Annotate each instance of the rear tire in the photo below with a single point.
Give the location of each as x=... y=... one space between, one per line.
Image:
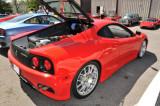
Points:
x=142 y=49
x=86 y=80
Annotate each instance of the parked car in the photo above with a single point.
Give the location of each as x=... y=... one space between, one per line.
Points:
x=8 y=17
x=150 y=23
x=113 y=17
x=3 y=15
x=96 y=15
x=61 y=59
x=130 y=19
x=24 y=23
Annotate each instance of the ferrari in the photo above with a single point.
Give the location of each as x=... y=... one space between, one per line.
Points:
x=24 y=23
x=150 y=23
x=113 y=17
x=74 y=55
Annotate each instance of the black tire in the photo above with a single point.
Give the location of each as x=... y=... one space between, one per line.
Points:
x=73 y=86
x=139 y=53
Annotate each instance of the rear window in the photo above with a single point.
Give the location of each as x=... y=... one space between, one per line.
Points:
x=20 y=18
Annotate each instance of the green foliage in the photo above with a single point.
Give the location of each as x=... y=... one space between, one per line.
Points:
x=5 y=7
x=33 y=4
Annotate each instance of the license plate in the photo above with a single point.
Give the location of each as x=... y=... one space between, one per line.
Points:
x=16 y=69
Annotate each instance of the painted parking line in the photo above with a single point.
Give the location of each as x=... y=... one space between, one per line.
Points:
x=150 y=96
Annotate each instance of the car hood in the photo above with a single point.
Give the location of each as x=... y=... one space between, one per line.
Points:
x=65 y=9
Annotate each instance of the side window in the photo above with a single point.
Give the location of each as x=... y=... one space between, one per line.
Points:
x=119 y=32
x=105 y=32
x=54 y=20
x=32 y=21
x=48 y=20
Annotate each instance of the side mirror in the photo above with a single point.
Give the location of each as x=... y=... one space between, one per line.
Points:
x=138 y=32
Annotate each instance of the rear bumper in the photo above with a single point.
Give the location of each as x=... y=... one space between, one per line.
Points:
x=60 y=86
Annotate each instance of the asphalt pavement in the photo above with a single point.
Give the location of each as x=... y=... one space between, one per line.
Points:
x=125 y=87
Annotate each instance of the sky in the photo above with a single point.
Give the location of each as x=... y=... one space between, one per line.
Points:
x=8 y=0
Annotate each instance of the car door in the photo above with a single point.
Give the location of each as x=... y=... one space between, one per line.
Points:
x=109 y=46
x=127 y=41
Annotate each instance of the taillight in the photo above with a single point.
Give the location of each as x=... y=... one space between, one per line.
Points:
x=42 y=64
x=35 y=61
x=2 y=32
x=47 y=65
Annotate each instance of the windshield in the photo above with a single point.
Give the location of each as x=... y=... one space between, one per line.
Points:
x=20 y=18
x=65 y=8
x=150 y=20
x=128 y=16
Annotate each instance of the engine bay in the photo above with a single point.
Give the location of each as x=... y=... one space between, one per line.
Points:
x=51 y=34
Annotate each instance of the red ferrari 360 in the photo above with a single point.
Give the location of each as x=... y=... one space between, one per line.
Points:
x=150 y=23
x=113 y=17
x=74 y=55
x=7 y=18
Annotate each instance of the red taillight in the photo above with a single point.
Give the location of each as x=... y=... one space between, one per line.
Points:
x=47 y=65
x=3 y=32
x=35 y=61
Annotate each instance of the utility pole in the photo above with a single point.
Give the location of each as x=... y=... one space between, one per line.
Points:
x=117 y=6
x=150 y=9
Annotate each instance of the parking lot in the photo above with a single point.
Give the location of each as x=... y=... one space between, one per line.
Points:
x=125 y=87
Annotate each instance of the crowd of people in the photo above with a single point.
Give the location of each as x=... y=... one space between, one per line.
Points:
x=39 y=11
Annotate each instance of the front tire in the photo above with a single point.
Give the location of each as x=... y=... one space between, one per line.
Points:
x=142 y=49
x=86 y=80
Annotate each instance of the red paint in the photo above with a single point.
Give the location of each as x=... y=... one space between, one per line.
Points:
x=7 y=18
x=70 y=54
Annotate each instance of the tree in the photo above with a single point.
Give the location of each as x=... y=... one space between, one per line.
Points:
x=18 y=4
x=5 y=7
x=33 y=4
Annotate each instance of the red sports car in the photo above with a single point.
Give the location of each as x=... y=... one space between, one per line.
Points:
x=74 y=55
x=7 y=18
x=113 y=17
x=150 y=23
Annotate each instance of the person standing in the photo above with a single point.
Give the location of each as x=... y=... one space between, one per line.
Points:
x=32 y=12
x=40 y=10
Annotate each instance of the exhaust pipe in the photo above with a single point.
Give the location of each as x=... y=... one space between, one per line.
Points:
x=45 y=88
x=40 y=86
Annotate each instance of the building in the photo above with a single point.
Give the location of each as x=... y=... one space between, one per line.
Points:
x=145 y=8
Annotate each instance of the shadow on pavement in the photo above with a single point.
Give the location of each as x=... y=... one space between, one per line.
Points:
x=4 y=52
x=109 y=93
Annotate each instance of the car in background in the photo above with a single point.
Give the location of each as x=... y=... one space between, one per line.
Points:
x=3 y=15
x=113 y=17
x=129 y=19
x=8 y=17
x=24 y=23
x=150 y=23
x=95 y=15
x=59 y=59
